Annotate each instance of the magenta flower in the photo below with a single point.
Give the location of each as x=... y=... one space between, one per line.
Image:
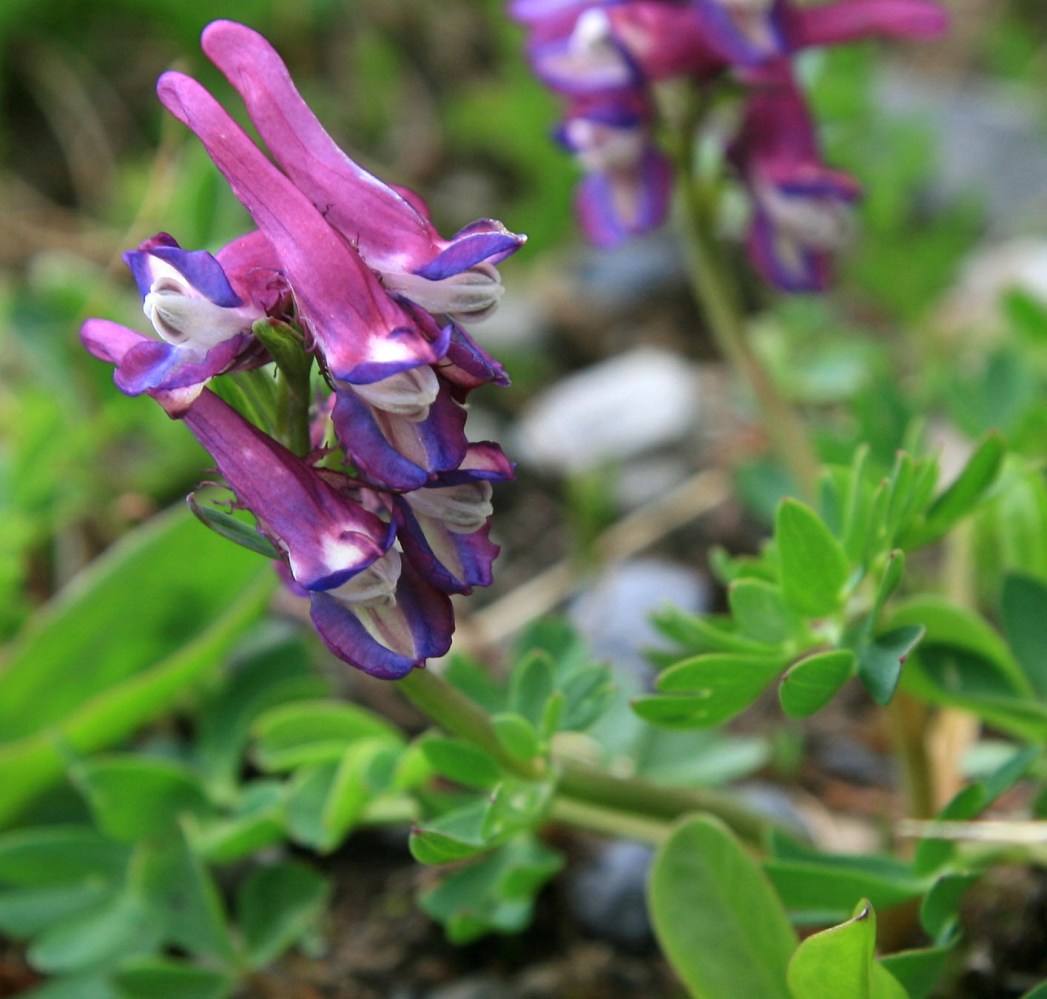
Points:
x=802 y=209
x=628 y=181
x=363 y=334
x=747 y=33
x=351 y=270
x=370 y=607
x=389 y=227
x=202 y=311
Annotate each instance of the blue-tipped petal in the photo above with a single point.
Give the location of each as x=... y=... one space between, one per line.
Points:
x=393 y=452
x=453 y=561
x=200 y=270
x=467 y=365
x=387 y=642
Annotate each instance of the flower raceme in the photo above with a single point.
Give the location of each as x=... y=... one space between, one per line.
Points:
x=356 y=271
x=606 y=57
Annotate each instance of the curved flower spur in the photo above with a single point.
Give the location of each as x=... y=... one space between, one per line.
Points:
x=376 y=295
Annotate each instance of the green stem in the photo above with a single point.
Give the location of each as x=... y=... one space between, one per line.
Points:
x=582 y=790
x=658 y=802
x=609 y=822
x=293 y=408
x=718 y=297
x=459 y=715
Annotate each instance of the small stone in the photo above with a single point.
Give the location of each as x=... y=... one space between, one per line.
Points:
x=607 y=893
x=612 y=411
x=614 y=614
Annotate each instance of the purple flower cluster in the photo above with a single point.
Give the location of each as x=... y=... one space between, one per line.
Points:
x=605 y=56
x=379 y=542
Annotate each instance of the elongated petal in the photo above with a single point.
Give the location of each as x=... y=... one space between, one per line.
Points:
x=393 y=452
x=482 y=241
x=466 y=365
x=173 y=375
x=392 y=235
x=387 y=642
x=363 y=334
x=847 y=20
x=328 y=537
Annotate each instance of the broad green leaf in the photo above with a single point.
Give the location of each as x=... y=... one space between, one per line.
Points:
x=851 y=523
x=935 y=854
x=364 y=772
x=557 y=639
x=588 y=693
x=60 y=855
x=273 y=669
x=702 y=757
x=951 y=626
x=165 y=978
x=1023 y=607
x=716 y=917
x=818 y=887
x=142 y=601
x=178 y=891
x=880 y=660
x=230 y=839
x=89 y=985
x=30 y=764
x=516 y=805
x=808 y=685
x=760 y=611
x=812 y=564
x=495 y=893
x=917 y=971
x=462 y=762
x=698 y=633
x=136 y=796
x=309 y=732
x=121 y=926
x=963 y=494
x=840 y=962
x=276 y=906
x=517 y=735
x=476 y=682
x=940 y=909
x=307 y=799
x=454 y=836
x=814 y=892
x=947 y=682
x=711 y=688
x=530 y=686
x=25 y=912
